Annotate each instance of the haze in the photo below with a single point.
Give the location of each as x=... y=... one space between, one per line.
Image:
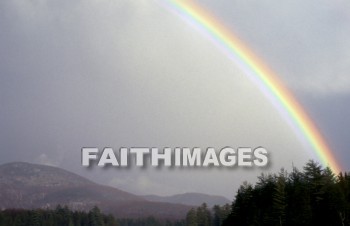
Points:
x=132 y=74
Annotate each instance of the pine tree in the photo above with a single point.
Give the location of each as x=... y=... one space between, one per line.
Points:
x=191 y=218
x=95 y=217
x=217 y=218
x=279 y=199
x=241 y=208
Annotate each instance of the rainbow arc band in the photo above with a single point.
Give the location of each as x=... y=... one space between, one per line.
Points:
x=259 y=72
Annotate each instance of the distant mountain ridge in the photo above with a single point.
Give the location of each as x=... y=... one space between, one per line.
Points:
x=192 y=199
x=25 y=185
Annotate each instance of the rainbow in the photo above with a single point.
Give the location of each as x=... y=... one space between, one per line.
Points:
x=267 y=81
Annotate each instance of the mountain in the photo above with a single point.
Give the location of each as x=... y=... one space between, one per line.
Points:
x=193 y=199
x=25 y=185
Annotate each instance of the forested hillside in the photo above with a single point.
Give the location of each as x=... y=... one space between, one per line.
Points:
x=32 y=186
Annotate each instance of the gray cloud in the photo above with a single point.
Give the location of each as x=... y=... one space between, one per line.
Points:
x=306 y=42
x=117 y=73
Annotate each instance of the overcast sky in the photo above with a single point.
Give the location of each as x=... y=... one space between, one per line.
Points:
x=131 y=73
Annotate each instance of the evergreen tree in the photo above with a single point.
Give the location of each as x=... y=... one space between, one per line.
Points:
x=279 y=199
x=191 y=218
x=314 y=196
x=217 y=218
x=35 y=218
x=203 y=215
x=95 y=217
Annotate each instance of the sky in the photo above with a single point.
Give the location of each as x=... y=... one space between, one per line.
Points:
x=115 y=73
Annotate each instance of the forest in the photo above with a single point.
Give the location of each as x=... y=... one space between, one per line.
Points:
x=311 y=196
x=61 y=216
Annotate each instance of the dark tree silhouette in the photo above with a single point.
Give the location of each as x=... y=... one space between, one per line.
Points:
x=314 y=196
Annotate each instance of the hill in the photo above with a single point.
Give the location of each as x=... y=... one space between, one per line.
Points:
x=28 y=186
x=192 y=199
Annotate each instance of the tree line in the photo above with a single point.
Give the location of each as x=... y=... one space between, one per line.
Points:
x=61 y=216
x=203 y=216
x=313 y=196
